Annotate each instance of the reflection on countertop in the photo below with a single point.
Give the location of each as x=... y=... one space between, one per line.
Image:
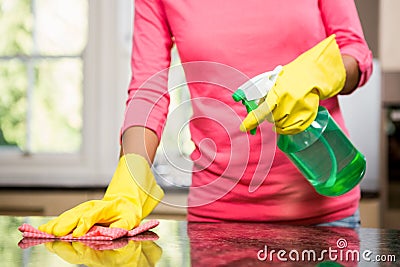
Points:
x=179 y=243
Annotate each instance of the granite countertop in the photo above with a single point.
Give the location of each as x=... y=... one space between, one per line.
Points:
x=178 y=243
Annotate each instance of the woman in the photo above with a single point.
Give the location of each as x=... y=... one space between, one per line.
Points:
x=236 y=177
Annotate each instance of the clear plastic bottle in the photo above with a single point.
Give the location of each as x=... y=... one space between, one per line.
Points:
x=322 y=152
x=325 y=156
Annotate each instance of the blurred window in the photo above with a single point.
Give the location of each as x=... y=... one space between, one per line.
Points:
x=64 y=74
x=41 y=74
x=64 y=68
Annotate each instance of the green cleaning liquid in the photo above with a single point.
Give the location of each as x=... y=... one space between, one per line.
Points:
x=325 y=156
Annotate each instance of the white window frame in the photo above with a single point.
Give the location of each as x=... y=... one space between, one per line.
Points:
x=106 y=77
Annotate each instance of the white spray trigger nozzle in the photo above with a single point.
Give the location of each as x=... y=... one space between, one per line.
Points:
x=258 y=86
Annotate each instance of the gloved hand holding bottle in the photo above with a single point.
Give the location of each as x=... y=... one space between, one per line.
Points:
x=131 y=195
x=292 y=103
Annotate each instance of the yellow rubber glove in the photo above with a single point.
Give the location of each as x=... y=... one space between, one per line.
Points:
x=131 y=195
x=135 y=253
x=292 y=103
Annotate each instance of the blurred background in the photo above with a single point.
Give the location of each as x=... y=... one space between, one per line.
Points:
x=64 y=72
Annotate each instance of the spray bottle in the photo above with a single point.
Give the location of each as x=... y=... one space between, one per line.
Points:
x=322 y=152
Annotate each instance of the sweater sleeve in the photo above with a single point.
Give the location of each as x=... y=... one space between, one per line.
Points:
x=148 y=98
x=341 y=18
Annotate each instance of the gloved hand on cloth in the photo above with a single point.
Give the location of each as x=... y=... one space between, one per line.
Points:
x=292 y=103
x=135 y=253
x=131 y=195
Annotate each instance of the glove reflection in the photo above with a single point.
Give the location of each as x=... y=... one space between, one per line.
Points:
x=123 y=252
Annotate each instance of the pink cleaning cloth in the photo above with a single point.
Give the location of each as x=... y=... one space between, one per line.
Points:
x=28 y=242
x=95 y=233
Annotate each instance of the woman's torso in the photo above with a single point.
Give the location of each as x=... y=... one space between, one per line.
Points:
x=238 y=176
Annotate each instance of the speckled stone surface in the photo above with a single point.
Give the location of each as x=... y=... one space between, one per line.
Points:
x=179 y=243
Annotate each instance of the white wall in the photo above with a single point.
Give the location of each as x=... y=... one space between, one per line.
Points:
x=361 y=112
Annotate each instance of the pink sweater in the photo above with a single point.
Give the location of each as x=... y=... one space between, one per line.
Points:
x=237 y=176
